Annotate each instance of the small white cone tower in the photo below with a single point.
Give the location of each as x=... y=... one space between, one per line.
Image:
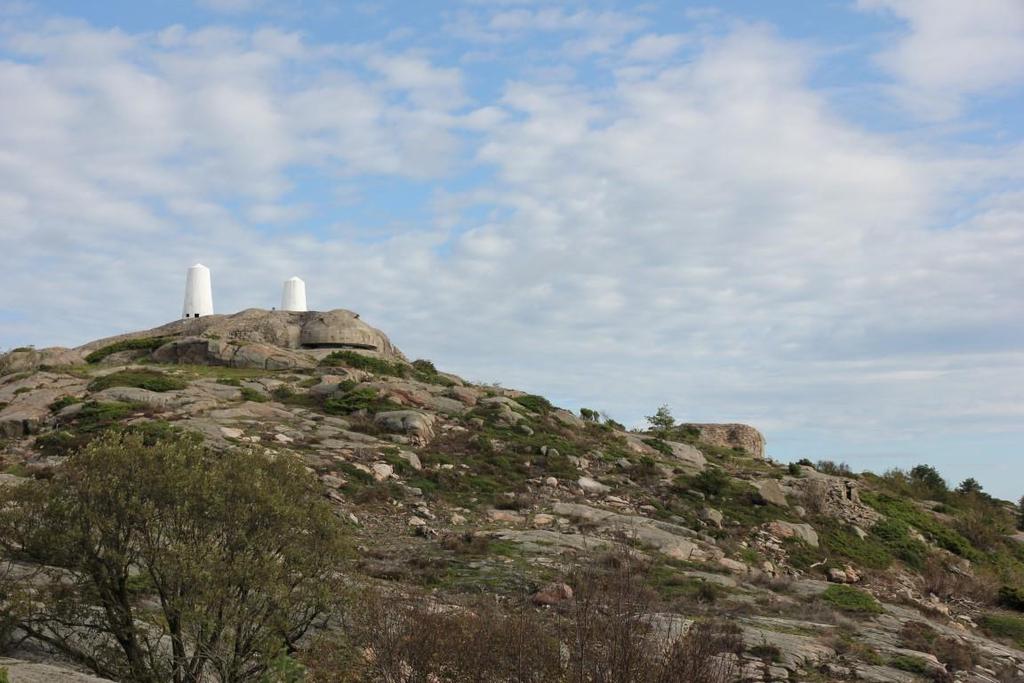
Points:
x=293 y=297
x=198 y=292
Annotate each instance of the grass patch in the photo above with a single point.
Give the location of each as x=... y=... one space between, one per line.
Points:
x=371 y=364
x=254 y=395
x=850 y=599
x=905 y=512
x=152 y=380
x=143 y=344
x=63 y=402
x=909 y=663
x=1005 y=626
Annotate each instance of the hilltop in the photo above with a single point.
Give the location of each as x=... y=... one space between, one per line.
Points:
x=453 y=489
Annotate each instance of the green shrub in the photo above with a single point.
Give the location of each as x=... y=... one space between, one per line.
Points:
x=659 y=445
x=371 y=364
x=1011 y=598
x=907 y=512
x=153 y=380
x=254 y=395
x=143 y=344
x=534 y=403
x=909 y=663
x=1008 y=626
x=840 y=469
x=63 y=402
x=794 y=469
x=895 y=535
x=850 y=599
x=359 y=398
x=712 y=481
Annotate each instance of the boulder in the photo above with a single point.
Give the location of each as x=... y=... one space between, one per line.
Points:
x=671 y=540
x=592 y=486
x=418 y=425
x=552 y=594
x=689 y=457
x=712 y=517
x=21 y=671
x=258 y=355
x=321 y=332
x=382 y=471
x=804 y=532
x=771 y=492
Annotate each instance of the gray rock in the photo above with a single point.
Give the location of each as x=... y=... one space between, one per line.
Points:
x=771 y=492
x=21 y=671
x=712 y=516
x=805 y=532
x=669 y=539
x=412 y=422
x=592 y=485
x=689 y=458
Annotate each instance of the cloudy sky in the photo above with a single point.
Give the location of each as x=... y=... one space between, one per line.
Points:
x=804 y=216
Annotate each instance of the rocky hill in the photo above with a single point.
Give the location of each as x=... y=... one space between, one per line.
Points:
x=454 y=489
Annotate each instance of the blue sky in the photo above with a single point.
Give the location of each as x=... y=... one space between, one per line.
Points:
x=804 y=216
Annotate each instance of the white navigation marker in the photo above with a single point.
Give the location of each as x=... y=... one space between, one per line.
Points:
x=198 y=292
x=293 y=298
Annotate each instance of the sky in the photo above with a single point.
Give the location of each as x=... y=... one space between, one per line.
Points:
x=807 y=217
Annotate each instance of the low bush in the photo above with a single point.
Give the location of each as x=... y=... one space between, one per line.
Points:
x=254 y=395
x=143 y=344
x=1011 y=598
x=534 y=403
x=850 y=599
x=909 y=663
x=63 y=402
x=371 y=364
x=604 y=632
x=840 y=469
x=1007 y=626
x=152 y=380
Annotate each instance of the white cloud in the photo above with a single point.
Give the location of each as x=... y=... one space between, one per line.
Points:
x=952 y=50
x=707 y=233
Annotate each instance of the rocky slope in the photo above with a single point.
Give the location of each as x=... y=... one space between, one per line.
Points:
x=455 y=488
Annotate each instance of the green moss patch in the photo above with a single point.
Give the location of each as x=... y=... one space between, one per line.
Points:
x=850 y=599
x=152 y=380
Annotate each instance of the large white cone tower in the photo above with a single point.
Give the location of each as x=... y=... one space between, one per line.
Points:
x=293 y=297
x=198 y=292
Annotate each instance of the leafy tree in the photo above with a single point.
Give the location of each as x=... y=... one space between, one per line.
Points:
x=170 y=563
x=927 y=479
x=968 y=486
x=1020 y=514
x=662 y=421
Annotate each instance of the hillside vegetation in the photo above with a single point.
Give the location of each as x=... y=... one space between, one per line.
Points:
x=371 y=519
